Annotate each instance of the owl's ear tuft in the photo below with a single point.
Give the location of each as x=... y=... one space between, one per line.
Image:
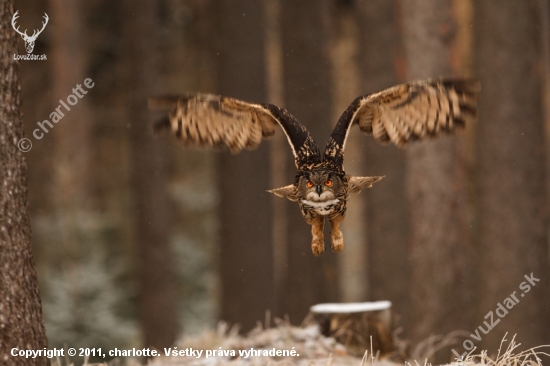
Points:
x=356 y=184
x=286 y=191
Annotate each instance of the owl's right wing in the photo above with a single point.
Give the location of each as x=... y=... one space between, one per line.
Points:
x=211 y=120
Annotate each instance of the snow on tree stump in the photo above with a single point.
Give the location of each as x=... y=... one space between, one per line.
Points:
x=353 y=325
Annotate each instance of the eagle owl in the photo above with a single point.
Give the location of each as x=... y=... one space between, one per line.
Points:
x=321 y=187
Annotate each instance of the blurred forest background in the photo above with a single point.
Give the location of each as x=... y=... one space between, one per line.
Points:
x=138 y=242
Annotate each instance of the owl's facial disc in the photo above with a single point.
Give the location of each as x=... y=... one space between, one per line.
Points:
x=318 y=186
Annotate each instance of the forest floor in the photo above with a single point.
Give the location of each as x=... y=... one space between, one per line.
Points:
x=309 y=348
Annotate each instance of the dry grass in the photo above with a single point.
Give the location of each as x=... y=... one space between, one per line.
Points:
x=313 y=350
x=530 y=357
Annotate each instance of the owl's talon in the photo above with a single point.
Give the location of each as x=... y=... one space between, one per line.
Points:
x=337 y=241
x=318 y=246
x=318 y=238
x=336 y=236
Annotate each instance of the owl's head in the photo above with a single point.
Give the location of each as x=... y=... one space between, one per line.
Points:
x=320 y=185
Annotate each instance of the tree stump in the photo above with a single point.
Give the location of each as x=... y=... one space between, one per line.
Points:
x=353 y=325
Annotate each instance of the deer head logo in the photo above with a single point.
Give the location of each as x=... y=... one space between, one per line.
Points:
x=29 y=41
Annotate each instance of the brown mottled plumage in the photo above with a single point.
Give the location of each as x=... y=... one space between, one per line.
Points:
x=399 y=115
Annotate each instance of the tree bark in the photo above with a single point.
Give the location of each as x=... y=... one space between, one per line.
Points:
x=21 y=324
x=75 y=132
x=154 y=266
x=307 y=95
x=438 y=247
x=246 y=252
x=346 y=80
x=512 y=200
x=73 y=136
x=387 y=211
x=278 y=146
x=73 y=141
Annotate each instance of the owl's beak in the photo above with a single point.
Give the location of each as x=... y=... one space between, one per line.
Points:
x=319 y=189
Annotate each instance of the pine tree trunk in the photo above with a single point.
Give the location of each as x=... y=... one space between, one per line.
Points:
x=21 y=324
x=246 y=251
x=155 y=266
x=512 y=200
x=346 y=81
x=438 y=246
x=74 y=133
x=387 y=214
x=279 y=150
x=307 y=95
x=73 y=141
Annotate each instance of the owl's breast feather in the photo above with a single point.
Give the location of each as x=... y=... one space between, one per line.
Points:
x=321 y=208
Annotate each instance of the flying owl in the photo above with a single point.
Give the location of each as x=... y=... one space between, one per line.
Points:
x=321 y=187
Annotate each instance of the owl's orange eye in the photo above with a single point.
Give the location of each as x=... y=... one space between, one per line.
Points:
x=328 y=183
x=309 y=184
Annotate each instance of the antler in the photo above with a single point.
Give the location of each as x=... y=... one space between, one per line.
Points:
x=15 y=16
x=35 y=35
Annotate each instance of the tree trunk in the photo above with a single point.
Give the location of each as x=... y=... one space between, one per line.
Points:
x=307 y=95
x=279 y=150
x=346 y=81
x=512 y=203
x=73 y=135
x=154 y=267
x=387 y=212
x=73 y=148
x=20 y=307
x=438 y=247
x=246 y=252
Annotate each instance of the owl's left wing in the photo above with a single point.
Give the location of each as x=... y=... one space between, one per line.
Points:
x=407 y=112
x=212 y=120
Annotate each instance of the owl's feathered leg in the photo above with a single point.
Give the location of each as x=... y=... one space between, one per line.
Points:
x=336 y=236
x=318 y=241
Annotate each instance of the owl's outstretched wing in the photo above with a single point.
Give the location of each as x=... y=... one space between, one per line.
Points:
x=407 y=112
x=357 y=184
x=211 y=120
